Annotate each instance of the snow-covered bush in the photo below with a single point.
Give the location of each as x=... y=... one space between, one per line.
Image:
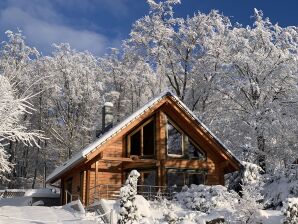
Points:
x=172 y=218
x=251 y=174
x=205 y=198
x=128 y=208
x=280 y=186
x=247 y=207
x=290 y=211
x=249 y=183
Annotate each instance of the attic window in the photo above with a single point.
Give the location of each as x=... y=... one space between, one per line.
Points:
x=141 y=142
x=194 y=151
x=180 y=145
x=175 y=140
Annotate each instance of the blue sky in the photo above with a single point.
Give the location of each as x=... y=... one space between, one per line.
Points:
x=96 y=25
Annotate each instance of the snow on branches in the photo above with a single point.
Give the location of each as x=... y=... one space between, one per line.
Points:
x=128 y=209
x=290 y=211
x=11 y=127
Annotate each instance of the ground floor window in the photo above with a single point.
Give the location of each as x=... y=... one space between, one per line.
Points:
x=180 y=177
x=147 y=183
x=147 y=177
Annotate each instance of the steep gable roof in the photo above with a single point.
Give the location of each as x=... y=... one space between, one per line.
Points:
x=80 y=156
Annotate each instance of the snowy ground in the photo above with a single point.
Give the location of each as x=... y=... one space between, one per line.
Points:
x=18 y=210
x=40 y=214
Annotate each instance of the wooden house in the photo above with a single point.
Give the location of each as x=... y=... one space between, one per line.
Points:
x=163 y=140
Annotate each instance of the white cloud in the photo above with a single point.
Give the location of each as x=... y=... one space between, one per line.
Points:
x=42 y=27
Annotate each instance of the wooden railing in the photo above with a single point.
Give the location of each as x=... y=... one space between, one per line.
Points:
x=112 y=192
x=69 y=197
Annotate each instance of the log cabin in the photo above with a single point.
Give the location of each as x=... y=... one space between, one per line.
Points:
x=163 y=140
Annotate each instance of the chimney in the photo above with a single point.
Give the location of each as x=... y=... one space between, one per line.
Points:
x=107 y=117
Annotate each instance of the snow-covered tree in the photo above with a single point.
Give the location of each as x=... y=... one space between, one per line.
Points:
x=239 y=80
x=12 y=127
x=129 y=81
x=128 y=209
x=74 y=100
x=258 y=83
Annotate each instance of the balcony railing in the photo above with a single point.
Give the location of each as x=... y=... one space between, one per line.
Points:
x=112 y=192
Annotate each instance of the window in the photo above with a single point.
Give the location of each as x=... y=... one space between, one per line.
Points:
x=136 y=144
x=175 y=140
x=180 y=145
x=185 y=177
x=196 y=178
x=193 y=151
x=175 y=178
x=141 y=142
x=148 y=177
x=148 y=139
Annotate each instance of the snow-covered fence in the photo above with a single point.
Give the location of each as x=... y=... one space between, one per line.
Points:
x=12 y=193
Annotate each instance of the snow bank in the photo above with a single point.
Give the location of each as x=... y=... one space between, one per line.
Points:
x=40 y=214
x=143 y=206
x=20 y=201
x=270 y=216
x=74 y=206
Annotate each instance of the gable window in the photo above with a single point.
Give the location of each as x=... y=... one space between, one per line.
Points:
x=141 y=142
x=180 y=145
x=175 y=140
x=193 y=151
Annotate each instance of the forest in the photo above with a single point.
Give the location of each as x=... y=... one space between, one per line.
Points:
x=239 y=81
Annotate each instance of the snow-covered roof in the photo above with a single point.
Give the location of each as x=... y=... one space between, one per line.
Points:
x=80 y=156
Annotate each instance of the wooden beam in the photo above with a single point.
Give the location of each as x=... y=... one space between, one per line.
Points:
x=96 y=172
x=129 y=166
x=189 y=164
x=87 y=186
x=121 y=159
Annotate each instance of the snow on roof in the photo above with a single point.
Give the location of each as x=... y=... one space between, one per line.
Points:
x=80 y=156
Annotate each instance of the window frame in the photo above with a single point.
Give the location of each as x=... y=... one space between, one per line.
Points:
x=184 y=145
x=140 y=128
